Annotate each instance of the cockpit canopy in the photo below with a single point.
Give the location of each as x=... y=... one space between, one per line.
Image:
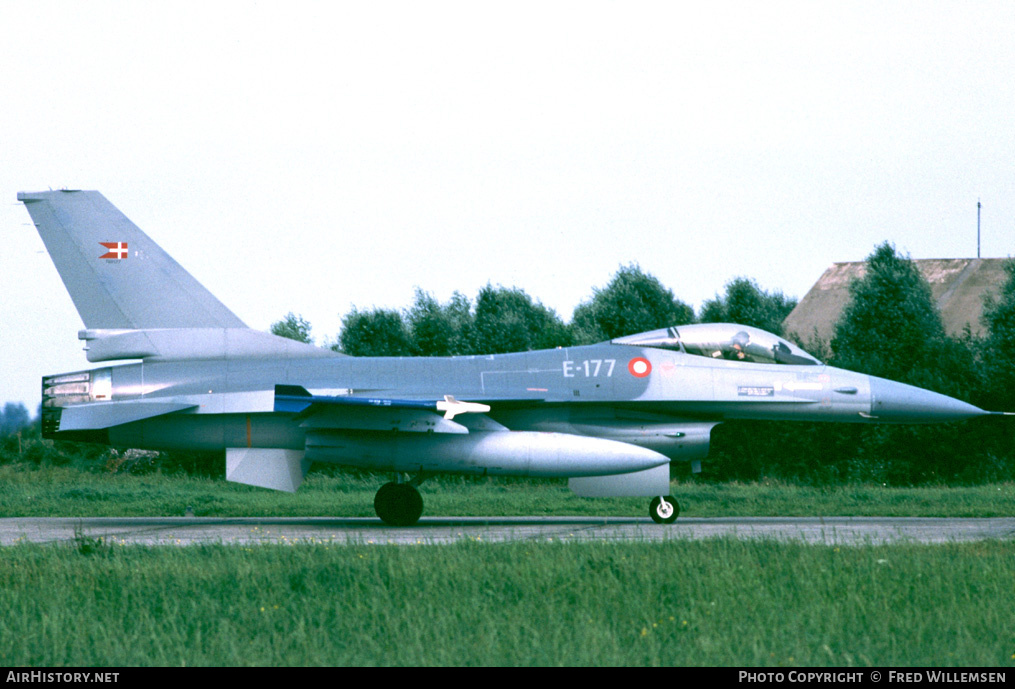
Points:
x=724 y=341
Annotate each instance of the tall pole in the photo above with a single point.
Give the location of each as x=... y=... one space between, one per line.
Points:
x=977 y=228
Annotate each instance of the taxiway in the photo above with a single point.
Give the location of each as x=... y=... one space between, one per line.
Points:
x=441 y=530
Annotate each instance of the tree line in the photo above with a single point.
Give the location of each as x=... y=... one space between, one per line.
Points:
x=507 y=319
x=890 y=328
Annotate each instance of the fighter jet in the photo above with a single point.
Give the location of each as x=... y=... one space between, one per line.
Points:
x=610 y=417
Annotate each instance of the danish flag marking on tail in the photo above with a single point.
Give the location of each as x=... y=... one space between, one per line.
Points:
x=117 y=250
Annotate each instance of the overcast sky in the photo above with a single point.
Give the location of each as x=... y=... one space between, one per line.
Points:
x=312 y=156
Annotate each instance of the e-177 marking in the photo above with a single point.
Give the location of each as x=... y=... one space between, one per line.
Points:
x=590 y=368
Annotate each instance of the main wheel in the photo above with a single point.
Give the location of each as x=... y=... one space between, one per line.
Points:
x=664 y=510
x=398 y=504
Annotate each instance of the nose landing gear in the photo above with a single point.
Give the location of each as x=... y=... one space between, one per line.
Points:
x=664 y=510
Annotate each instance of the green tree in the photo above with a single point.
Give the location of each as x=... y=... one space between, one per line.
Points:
x=508 y=320
x=294 y=327
x=632 y=302
x=998 y=351
x=13 y=418
x=746 y=303
x=437 y=329
x=890 y=327
x=378 y=332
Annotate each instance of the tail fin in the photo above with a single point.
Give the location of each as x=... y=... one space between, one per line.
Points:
x=117 y=276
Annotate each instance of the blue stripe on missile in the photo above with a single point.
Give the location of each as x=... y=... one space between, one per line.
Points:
x=295 y=399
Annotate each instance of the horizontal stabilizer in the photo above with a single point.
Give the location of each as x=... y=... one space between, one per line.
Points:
x=172 y=344
x=80 y=417
x=648 y=483
x=266 y=468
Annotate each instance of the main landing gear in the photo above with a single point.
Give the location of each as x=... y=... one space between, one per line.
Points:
x=664 y=510
x=398 y=504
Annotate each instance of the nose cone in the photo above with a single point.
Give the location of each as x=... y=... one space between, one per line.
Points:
x=901 y=403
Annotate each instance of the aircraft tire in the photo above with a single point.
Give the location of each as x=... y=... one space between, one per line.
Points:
x=398 y=504
x=664 y=510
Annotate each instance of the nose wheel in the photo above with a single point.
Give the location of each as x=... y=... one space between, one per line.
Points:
x=664 y=510
x=398 y=504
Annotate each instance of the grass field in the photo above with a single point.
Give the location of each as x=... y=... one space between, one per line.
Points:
x=721 y=602
x=70 y=492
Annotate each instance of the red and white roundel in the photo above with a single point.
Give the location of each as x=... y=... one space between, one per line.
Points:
x=639 y=367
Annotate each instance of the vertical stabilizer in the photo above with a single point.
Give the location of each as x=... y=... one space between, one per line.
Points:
x=117 y=276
